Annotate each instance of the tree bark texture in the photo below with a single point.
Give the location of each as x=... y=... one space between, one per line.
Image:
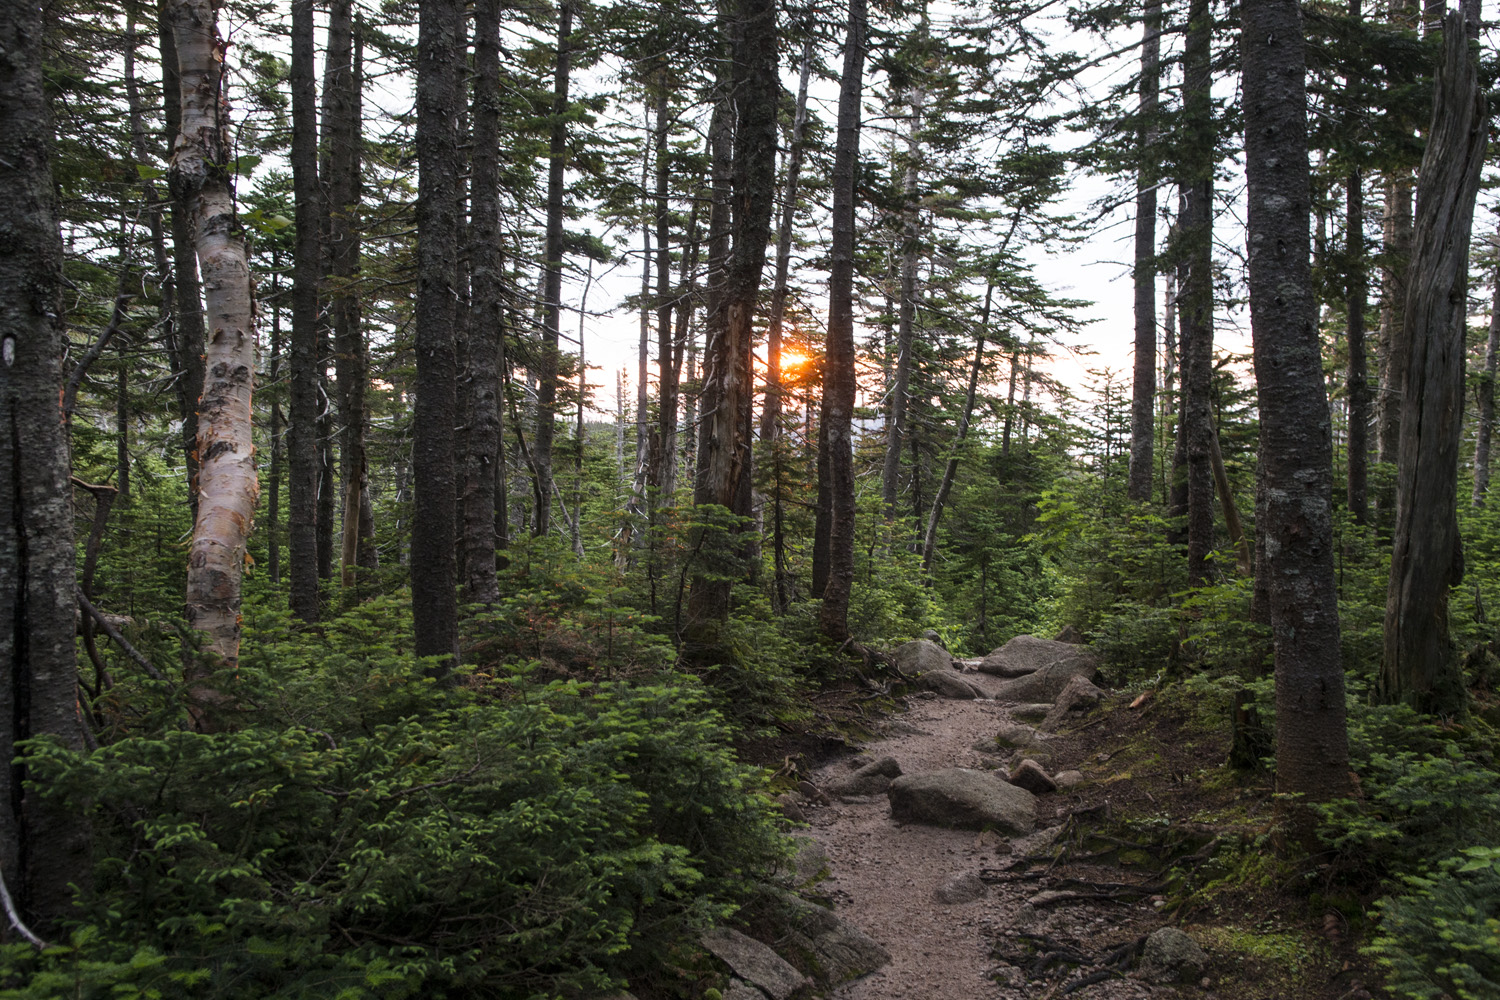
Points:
x=1296 y=434
x=42 y=848
x=836 y=439
x=547 y=374
x=727 y=429
x=1419 y=666
x=480 y=584
x=227 y=486
x=440 y=58
x=1357 y=385
x=187 y=292
x=1197 y=301
x=302 y=435
x=1143 y=387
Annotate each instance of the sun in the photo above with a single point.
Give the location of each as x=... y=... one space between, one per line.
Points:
x=793 y=359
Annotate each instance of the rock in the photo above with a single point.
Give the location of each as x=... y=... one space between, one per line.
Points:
x=1171 y=956
x=1078 y=693
x=839 y=950
x=1071 y=636
x=1068 y=779
x=791 y=807
x=989 y=840
x=1033 y=777
x=1032 y=711
x=754 y=962
x=1014 y=735
x=958 y=796
x=809 y=864
x=921 y=657
x=813 y=793
x=949 y=685
x=871 y=779
x=1026 y=654
x=931 y=635
x=1048 y=682
x=1036 y=843
x=962 y=888
x=738 y=989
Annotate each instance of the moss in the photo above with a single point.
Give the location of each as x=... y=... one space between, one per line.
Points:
x=1287 y=951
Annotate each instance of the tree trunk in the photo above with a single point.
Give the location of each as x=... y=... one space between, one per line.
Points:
x=480 y=585
x=227 y=487
x=547 y=375
x=1296 y=438
x=1419 y=666
x=342 y=112
x=726 y=438
x=929 y=545
x=1143 y=389
x=1197 y=301
x=302 y=435
x=911 y=249
x=835 y=432
x=187 y=293
x=661 y=443
x=440 y=57
x=273 y=485
x=1486 y=393
x=42 y=847
x=1357 y=386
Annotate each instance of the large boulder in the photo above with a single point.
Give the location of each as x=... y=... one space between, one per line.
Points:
x=837 y=950
x=1033 y=777
x=1025 y=654
x=871 y=779
x=923 y=656
x=960 y=797
x=1079 y=693
x=754 y=962
x=1048 y=682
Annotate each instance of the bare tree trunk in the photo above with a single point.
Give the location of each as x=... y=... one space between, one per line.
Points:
x=1296 y=439
x=186 y=291
x=480 y=584
x=1010 y=399
x=43 y=848
x=835 y=432
x=1420 y=666
x=201 y=179
x=911 y=248
x=440 y=57
x=726 y=438
x=1357 y=386
x=302 y=436
x=547 y=376
x=1197 y=300
x=929 y=544
x=1486 y=400
x=1143 y=395
x=273 y=505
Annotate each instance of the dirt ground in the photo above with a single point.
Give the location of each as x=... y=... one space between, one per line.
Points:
x=1157 y=834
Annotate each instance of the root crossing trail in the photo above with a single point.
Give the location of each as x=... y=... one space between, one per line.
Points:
x=886 y=876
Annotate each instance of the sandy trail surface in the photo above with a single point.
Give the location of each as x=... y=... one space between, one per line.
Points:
x=885 y=875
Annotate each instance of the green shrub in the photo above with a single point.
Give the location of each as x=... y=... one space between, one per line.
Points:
x=1441 y=937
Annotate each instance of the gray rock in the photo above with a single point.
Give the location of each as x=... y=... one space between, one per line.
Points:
x=931 y=635
x=949 y=685
x=961 y=797
x=871 y=779
x=791 y=807
x=738 y=989
x=810 y=864
x=813 y=793
x=838 y=950
x=1015 y=735
x=1079 y=693
x=1030 y=711
x=1037 y=843
x=754 y=962
x=1068 y=779
x=1171 y=956
x=1048 y=682
x=1070 y=635
x=921 y=657
x=962 y=888
x=1025 y=654
x=1033 y=777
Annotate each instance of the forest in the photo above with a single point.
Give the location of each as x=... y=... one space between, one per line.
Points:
x=374 y=623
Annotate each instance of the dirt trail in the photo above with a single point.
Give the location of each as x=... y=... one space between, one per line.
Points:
x=885 y=875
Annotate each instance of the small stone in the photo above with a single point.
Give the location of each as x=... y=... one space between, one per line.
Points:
x=1068 y=779
x=790 y=807
x=988 y=840
x=1031 y=776
x=965 y=887
x=814 y=793
x=1171 y=956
